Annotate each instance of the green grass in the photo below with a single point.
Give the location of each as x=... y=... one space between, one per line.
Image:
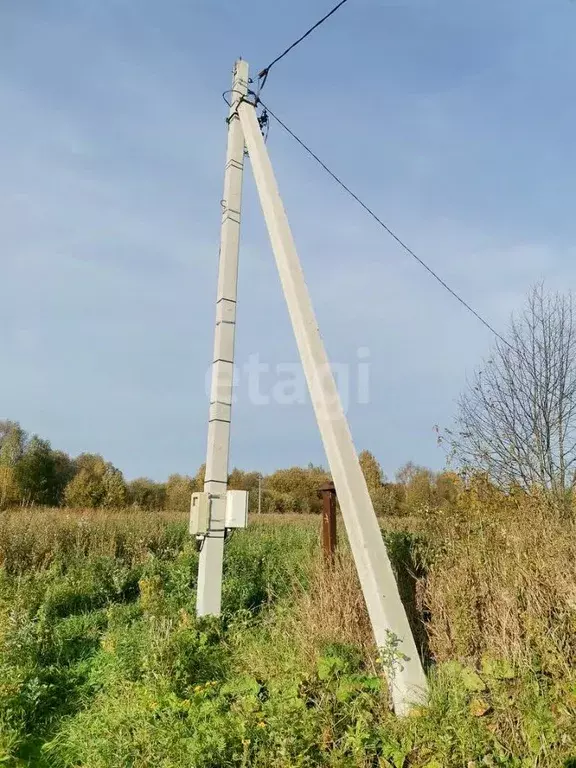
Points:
x=103 y=663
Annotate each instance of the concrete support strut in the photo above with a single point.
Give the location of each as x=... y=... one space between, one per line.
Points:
x=392 y=631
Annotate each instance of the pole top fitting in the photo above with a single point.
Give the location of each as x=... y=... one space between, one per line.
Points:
x=328 y=487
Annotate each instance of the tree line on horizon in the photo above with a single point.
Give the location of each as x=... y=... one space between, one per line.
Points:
x=515 y=426
x=32 y=473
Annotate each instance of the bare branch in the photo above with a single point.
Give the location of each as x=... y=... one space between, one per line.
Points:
x=517 y=419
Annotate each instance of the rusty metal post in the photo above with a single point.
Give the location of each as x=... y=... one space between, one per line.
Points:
x=328 y=494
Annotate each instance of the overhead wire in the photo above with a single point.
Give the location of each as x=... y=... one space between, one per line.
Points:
x=263 y=74
x=264 y=125
x=384 y=226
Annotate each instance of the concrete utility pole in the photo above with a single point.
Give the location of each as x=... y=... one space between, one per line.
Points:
x=389 y=621
x=216 y=479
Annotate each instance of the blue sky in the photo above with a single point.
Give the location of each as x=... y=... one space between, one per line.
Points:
x=454 y=119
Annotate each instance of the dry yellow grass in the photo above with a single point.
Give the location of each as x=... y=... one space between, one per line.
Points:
x=330 y=608
x=506 y=586
x=32 y=538
x=498 y=580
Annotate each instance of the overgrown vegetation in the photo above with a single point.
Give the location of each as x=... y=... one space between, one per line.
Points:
x=104 y=664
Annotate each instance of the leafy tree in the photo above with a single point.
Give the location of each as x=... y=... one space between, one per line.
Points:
x=93 y=462
x=115 y=489
x=179 y=491
x=38 y=475
x=382 y=498
x=35 y=473
x=84 y=490
x=96 y=484
x=276 y=502
x=65 y=470
x=371 y=469
x=418 y=488
x=199 y=478
x=249 y=481
x=239 y=480
x=146 y=494
x=12 y=443
x=9 y=491
x=294 y=489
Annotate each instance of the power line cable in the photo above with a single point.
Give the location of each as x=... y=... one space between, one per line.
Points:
x=383 y=225
x=263 y=74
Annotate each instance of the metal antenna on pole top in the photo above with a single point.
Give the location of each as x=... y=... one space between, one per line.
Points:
x=389 y=621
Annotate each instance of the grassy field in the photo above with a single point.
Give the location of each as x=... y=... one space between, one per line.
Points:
x=103 y=663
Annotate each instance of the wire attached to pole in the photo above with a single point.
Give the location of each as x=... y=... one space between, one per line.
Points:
x=263 y=74
x=392 y=234
x=263 y=119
